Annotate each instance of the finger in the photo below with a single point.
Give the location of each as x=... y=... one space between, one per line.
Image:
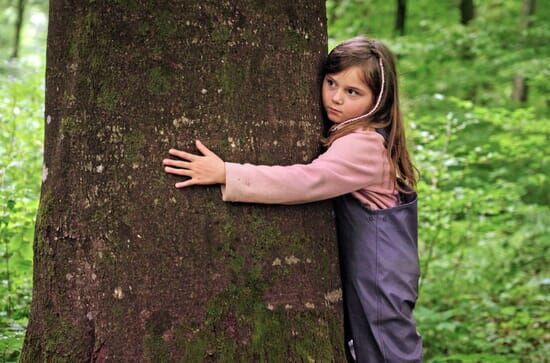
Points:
x=185 y=183
x=182 y=154
x=178 y=163
x=176 y=171
x=203 y=149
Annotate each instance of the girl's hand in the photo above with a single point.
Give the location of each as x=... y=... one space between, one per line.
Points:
x=203 y=170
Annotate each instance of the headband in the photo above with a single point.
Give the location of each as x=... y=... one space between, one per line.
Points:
x=337 y=127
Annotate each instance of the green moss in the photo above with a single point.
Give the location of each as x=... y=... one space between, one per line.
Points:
x=264 y=335
x=155 y=349
x=226 y=349
x=128 y=5
x=208 y=340
x=306 y=336
x=267 y=236
x=73 y=48
x=134 y=142
x=59 y=336
x=68 y=97
x=231 y=77
x=192 y=352
x=117 y=311
x=220 y=348
x=99 y=216
x=269 y=338
x=213 y=336
x=196 y=351
x=31 y=353
x=229 y=230
x=236 y=264
x=158 y=82
x=223 y=144
x=81 y=37
x=76 y=40
x=221 y=34
x=308 y=333
x=294 y=40
x=45 y=209
x=299 y=243
x=70 y=126
x=143 y=29
x=211 y=206
x=164 y=25
x=107 y=98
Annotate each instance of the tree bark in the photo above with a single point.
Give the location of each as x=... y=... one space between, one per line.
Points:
x=18 y=27
x=527 y=12
x=467 y=11
x=400 y=17
x=519 y=89
x=128 y=268
x=519 y=85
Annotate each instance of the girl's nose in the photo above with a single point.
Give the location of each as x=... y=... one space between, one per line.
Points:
x=337 y=97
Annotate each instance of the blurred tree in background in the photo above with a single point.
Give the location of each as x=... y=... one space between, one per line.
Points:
x=484 y=193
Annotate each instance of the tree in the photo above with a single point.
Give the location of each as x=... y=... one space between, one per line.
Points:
x=467 y=11
x=400 y=17
x=128 y=268
x=18 y=27
x=527 y=12
x=519 y=85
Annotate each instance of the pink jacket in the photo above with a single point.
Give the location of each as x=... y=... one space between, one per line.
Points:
x=356 y=163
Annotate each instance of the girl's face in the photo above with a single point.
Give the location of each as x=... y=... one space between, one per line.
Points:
x=345 y=95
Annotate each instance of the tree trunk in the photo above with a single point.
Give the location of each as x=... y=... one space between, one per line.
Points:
x=519 y=89
x=467 y=11
x=519 y=86
x=18 y=27
x=527 y=12
x=128 y=268
x=400 y=17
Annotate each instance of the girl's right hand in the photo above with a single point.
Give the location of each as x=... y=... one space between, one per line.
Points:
x=203 y=170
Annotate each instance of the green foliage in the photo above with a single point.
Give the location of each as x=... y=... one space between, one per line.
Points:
x=20 y=172
x=21 y=134
x=483 y=234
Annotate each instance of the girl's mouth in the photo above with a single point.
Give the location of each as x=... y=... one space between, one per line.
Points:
x=333 y=110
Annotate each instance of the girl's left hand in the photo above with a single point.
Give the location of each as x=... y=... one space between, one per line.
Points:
x=203 y=170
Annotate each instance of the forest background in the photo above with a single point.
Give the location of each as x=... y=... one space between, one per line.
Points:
x=475 y=95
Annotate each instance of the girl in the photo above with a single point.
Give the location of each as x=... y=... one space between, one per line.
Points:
x=367 y=167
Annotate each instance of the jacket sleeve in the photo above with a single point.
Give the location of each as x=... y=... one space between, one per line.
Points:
x=352 y=162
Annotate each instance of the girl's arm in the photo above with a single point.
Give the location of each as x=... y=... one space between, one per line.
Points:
x=354 y=161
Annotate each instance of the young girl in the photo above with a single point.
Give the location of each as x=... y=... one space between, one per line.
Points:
x=367 y=167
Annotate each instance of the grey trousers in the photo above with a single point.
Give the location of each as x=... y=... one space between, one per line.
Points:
x=380 y=270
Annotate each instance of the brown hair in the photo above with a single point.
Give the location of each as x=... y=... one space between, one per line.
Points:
x=366 y=53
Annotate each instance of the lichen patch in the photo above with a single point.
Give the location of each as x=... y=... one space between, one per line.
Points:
x=118 y=294
x=292 y=260
x=44 y=173
x=333 y=296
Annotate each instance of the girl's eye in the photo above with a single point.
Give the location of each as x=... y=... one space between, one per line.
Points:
x=352 y=92
x=330 y=82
